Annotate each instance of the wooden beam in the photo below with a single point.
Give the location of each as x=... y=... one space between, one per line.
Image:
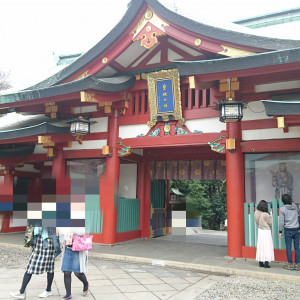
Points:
x=270 y=145
x=175 y=141
x=92 y=153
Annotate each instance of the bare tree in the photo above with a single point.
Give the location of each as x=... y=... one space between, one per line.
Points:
x=4 y=80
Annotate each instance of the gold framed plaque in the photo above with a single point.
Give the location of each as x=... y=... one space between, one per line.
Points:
x=164 y=96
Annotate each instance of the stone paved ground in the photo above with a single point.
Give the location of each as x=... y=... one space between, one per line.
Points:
x=148 y=279
x=115 y=281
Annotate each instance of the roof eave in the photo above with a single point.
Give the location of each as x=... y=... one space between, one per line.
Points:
x=86 y=83
x=238 y=63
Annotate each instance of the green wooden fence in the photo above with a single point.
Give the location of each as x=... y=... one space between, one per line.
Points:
x=251 y=228
x=93 y=216
x=128 y=214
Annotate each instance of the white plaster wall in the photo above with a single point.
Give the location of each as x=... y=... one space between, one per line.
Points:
x=100 y=126
x=16 y=222
x=269 y=134
x=85 y=109
x=39 y=149
x=48 y=163
x=255 y=111
x=27 y=168
x=96 y=144
x=205 y=125
x=128 y=180
x=132 y=131
x=138 y=151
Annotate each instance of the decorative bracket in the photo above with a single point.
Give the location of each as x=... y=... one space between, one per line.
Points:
x=107 y=105
x=217 y=146
x=51 y=109
x=47 y=143
x=125 y=150
x=229 y=86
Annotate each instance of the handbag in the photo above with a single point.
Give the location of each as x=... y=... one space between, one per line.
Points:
x=28 y=238
x=82 y=242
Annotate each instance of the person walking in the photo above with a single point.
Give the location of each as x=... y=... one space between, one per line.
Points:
x=264 y=247
x=73 y=261
x=45 y=247
x=288 y=220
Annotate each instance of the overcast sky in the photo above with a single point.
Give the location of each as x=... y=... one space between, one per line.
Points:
x=32 y=30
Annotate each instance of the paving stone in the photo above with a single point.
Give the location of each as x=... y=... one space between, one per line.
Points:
x=139 y=296
x=132 y=288
x=150 y=280
x=165 y=295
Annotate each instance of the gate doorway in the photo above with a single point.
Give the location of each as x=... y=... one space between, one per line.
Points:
x=158 y=212
x=196 y=181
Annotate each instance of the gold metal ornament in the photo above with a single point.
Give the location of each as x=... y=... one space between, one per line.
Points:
x=198 y=42
x=167 y=128
x=234 y=52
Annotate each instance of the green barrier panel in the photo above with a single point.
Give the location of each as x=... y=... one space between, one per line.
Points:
x=128 y=214
x=275 y=225
x=256 y=227
x=252 y=225
x=246 y=224
x=93 y=216
x=283 y=239
x=251 y=228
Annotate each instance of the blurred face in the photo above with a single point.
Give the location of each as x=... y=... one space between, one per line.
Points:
x=282 y=167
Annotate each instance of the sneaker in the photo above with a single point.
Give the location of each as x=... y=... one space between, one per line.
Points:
x=18 y=295
x=45 y=294
x=289 y=267
x=296 y=267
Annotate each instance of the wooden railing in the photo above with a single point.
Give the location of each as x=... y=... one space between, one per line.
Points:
x=195 y=104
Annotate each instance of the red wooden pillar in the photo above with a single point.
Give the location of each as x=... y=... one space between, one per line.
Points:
x=235 y=192
x=6 y=197
x=7 y=189
x=58 y=172
x=109 y=183
x=140 y=192
x=147 y=199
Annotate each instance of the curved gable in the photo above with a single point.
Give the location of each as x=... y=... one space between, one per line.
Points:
x=150 y=35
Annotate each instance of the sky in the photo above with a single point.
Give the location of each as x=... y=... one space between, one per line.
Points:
x=31 y=31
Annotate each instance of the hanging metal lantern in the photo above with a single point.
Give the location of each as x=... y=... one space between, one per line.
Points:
x=80 y=126
x=231 y=111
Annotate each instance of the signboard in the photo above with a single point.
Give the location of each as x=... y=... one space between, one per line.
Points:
x=164 y=96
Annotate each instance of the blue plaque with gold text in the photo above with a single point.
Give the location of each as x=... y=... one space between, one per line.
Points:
x=164 y=96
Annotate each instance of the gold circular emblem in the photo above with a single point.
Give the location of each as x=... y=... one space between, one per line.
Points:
x=197 y=172
x=197 y=42
x=148 y=28
x=167 y=128
x=148 y=14
x=104 y=60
